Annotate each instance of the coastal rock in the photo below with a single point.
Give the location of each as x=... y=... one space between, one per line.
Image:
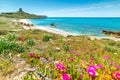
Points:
x=52 y=25
x=69 y=35
x=116 y=34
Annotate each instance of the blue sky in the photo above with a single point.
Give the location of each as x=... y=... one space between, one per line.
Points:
x=64 y=8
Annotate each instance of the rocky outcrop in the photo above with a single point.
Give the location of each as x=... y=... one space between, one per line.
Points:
x=20 y=14
x=116 y=34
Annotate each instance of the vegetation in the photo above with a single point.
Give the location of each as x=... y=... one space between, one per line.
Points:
x=54 y=57
x=71 y=57
x=21 y=15
x=47 y=37
x=6 y=24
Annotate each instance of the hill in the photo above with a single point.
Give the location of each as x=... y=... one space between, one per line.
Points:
x=21 y=14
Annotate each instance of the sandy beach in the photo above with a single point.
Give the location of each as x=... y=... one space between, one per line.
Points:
x=60 y=32
x=45 y=28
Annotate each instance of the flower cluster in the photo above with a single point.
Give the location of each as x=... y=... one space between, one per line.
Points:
x=65 y=76
x=91 y=71
x=60 y=66
x=116 y=75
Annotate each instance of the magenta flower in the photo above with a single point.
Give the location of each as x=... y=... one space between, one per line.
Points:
x=116 y=75
x=91 y=51
x=91 y=71
x=117 y=66
x=92 y=59
x=73 y=51
x=81 y=50
x=112 y=63
x=20 y=38
x=92 y=68
x=81 y=76
x=60 y=67
x=65 y=76
x=99 y=66
x=31 y=54
x=71 y=59
x=77 y=54
x=106 y=57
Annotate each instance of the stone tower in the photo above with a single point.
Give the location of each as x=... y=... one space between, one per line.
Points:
x=20 y=10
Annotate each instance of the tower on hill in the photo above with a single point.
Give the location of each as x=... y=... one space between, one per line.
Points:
x=20 y=10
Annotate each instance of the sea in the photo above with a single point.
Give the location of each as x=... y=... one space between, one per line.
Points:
x=91 y=26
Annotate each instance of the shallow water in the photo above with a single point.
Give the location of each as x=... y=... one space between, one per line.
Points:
x=81 y=26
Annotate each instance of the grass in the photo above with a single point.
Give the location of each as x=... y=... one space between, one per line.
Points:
x=7 y=24
x=76 y=54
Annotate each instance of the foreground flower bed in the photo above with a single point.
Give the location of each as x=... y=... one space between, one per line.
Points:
x=72 y=58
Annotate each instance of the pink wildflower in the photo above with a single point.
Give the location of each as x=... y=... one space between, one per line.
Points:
x=20 y=38
x=31 y=54
x=117 y=66
x=71 y=59
x=60 y=67
x=81 y=50
x=91 y=71
x=65 y=76
x=106 y=57
x=116 y=75
x=112 y=63
x=92 y=68
x=91 y=51
x=92 y=59
x=81 y=76
x=73 y=51
x=99 y=66
x=77 y=54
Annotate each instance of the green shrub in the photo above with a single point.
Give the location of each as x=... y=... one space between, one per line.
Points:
x=47 y=37
x=7 y=46
x=11 y=37
x=66 y=47
x=110 y=49
x=30 y=42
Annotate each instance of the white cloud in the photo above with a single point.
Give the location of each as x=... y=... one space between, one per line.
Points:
x=88 y=11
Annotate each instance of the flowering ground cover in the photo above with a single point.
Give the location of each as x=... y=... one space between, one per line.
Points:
x=65 y=58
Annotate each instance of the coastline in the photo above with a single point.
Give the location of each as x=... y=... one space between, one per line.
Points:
x=45 y=28
x=60 y=32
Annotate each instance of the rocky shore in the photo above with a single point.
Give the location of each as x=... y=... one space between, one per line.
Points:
x=113 y=33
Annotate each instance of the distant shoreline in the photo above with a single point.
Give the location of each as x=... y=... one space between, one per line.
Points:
x=60 y=32
x=45 y=28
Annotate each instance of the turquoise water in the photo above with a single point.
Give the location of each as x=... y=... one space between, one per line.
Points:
x=81 y=26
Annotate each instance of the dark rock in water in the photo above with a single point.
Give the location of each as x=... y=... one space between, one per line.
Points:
x=111 y=33
x=52 y=25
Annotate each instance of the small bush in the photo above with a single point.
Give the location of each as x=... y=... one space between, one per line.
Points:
x=47 y=37
x=7 y=46
x=11 y=37
x=30 y=42
x=66 y=47
x=110 y=49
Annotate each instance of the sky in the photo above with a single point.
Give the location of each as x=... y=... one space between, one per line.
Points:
x=64 y=8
